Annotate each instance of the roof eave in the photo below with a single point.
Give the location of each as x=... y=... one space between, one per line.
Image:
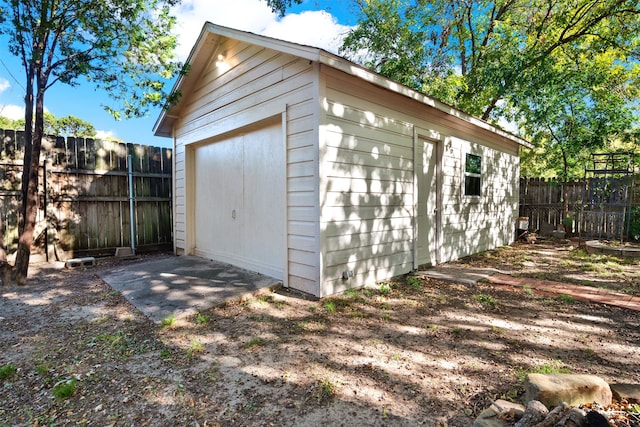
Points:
x=209 y=38
x=353 y=69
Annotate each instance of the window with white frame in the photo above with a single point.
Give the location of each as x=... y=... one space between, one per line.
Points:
x=472 y=175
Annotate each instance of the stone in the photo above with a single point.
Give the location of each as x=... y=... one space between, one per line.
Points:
x=597 y=419
x=628 y=392
x=546 y=229
x=536 y=412
x=501 y=413
x=575 y=417
x=575 y=389
x=554 y=417
x=80 y=262
x=124 y=251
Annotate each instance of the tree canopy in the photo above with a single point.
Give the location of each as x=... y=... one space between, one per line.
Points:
x=124 y=47
x=565 y=73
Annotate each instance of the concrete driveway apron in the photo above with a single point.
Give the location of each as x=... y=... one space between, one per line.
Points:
x=182 y=285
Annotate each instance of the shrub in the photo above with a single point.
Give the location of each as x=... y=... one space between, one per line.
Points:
x=634 y=224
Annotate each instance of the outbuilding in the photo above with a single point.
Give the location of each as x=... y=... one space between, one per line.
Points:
x=301 y=165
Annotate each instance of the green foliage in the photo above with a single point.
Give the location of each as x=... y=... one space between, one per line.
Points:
x=280 y=6
x=70 y=126
x=565 y=73
x=7 y=371
x=634 y=224
x=42 y=368
x=125 y=47
x=9 y=124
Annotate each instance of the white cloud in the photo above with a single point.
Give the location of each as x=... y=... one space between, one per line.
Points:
x=4 y=84
x=317 y=28
x=106 y=134
x=327 y=33
x=11 y=111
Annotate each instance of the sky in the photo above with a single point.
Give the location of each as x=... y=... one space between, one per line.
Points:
x=318 y=23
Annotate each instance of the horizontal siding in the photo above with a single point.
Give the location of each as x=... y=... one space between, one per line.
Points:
x=302 y=197
x=343 y=228
x=367 y=184
x=367 y=195
x=260 y=84
x=474 y=224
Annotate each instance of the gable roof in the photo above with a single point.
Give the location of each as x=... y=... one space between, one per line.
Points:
x=211 y=37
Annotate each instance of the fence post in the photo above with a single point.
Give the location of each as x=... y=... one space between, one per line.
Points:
x=131 y=205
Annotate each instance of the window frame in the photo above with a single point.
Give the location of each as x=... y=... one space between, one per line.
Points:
x=472 y=175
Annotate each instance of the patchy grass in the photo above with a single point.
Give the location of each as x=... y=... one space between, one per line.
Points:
x=195 y=348
x=566 y=299
x=552 y=367
x=7 y=371
x=325 y=391
x=202 y=318
x=485 y=299
x=168 y=321
x=254 y=343
x=64 y=389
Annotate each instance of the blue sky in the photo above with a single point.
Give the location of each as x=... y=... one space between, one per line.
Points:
x=319 y=23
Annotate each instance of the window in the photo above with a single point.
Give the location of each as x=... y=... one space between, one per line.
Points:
x=472 y=175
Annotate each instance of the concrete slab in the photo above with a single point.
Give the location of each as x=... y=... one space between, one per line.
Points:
x=458 y=274
x=183 y=285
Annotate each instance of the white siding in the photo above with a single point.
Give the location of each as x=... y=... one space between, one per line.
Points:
x=358 y=184
x=370 y=208
x=366 y=191
x=474 y=224
x=251 y=85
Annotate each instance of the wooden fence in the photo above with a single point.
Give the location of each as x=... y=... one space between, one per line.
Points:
x=84 y=195
x=542 y=201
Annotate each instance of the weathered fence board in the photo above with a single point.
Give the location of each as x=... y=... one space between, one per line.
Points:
x=86 y=206
x=542 y=201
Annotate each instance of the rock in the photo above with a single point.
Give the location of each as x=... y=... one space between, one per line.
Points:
x=597 y=419
x=576 y=390
x=535 y=413
x=546 y=229
x=628 y=392
x=501 y=413
x=575 y=417
x=553 y=418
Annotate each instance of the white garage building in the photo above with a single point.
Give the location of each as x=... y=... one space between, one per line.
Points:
x=298 y=164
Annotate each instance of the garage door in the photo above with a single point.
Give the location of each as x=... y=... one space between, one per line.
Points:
x=239 y=201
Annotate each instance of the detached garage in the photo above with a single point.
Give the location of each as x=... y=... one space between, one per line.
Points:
x=298 y=164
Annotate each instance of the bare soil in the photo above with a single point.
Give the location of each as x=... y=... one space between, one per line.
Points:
x=411 y=351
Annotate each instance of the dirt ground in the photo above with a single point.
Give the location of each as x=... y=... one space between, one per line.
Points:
x=411 y=351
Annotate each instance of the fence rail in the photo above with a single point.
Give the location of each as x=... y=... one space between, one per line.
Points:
x=83 y=195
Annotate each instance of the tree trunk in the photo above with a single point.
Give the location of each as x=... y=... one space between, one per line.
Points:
x=3 y=253
x=30 y=199
x=565 y=195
